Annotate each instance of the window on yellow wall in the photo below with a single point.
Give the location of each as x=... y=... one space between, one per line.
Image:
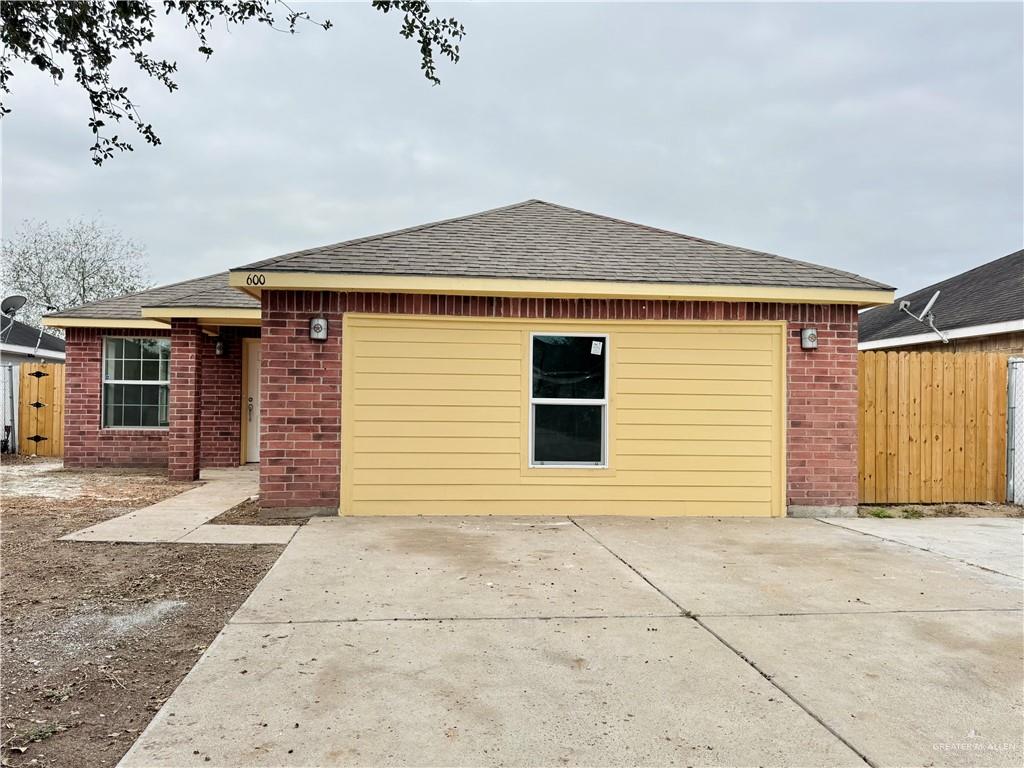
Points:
x=136 y=382
x=569 y=400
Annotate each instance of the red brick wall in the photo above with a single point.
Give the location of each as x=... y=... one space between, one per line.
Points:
x=85 y=443
x=821 y=408
x=301 y=380
x=300 y=401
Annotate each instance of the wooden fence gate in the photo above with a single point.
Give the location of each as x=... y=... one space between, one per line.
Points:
x=41 y=409
x=932 y=427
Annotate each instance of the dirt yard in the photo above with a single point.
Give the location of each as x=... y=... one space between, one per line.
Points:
x=96 y=636
x=248 y=513
x=917 y=511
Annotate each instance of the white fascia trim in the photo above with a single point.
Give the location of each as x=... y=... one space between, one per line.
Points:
x=953 y=333
x=18 y=349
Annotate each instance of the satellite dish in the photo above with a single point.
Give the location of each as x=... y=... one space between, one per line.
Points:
x=12 y=304
x=930 y=304
x=926 y=316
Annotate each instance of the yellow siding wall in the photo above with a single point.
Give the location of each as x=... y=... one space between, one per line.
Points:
x=435 y=414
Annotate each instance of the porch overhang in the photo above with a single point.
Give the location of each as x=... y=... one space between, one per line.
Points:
x=205 y=316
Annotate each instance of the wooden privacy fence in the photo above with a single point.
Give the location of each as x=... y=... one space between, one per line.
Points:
x=41 y=409
x=932 y=427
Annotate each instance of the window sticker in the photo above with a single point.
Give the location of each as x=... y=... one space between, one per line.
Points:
x=595 y=347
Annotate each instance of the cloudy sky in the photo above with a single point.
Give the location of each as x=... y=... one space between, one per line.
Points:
x=882 y=139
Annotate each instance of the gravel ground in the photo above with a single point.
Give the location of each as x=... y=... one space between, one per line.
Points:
x=94 y=637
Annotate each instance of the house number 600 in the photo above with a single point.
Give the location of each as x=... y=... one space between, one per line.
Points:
x=255 y=279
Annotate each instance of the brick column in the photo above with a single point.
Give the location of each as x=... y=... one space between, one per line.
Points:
x=300 y=408
x=183 y=440
x=822 y=413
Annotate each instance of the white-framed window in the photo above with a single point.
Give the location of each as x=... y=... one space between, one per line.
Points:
x=568 y=400
x=136 y=382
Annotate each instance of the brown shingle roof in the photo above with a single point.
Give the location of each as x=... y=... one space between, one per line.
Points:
x=532 y=240
x=535 y=240
x=209 y=291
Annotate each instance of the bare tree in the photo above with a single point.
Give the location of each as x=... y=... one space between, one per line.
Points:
x=64 y=266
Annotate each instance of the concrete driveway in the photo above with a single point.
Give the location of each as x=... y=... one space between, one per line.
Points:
x=612 y=641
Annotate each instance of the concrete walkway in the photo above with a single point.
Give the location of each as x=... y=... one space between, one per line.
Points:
x=606 y=641
x=182 y=518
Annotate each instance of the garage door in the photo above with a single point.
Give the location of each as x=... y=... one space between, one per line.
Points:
x=451 y=416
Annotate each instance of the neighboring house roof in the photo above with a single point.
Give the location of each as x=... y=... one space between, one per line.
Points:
x=209 y=291
x=535 y=240
x=14 y=333
x=992 y=294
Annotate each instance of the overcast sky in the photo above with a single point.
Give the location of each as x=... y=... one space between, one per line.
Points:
x=881 y=139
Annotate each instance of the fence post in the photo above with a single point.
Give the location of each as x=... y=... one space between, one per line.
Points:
x=1015 y=430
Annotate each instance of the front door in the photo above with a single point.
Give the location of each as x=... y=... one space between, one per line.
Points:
x=251 y=401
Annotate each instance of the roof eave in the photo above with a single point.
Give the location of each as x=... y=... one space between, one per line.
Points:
x=257 y=281
x=21 y=349
x=58 y=321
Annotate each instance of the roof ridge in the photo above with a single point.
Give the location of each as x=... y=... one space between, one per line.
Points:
x=325 y=249
x=717 y=243
x=385 y=235
x=135 y=293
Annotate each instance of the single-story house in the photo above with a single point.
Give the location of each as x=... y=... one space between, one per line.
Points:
x=532 y=359
x=980 y=310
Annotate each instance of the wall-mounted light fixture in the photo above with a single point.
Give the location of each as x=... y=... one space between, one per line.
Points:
x=218 y=347
x=808 y=338
x=318 y=328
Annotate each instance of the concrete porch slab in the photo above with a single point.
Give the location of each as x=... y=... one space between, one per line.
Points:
x=935 y=689
x=171 y=519
x=609 y=692
x=750 y=567
x=988 y=542
x=246 y=472
x=339 y=569
x=240 y=534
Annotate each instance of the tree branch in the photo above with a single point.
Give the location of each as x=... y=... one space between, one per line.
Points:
x=92 y=34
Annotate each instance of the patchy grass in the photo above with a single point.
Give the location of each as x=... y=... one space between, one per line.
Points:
x=920 y=511
x=60 y=694
x=42 y=733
